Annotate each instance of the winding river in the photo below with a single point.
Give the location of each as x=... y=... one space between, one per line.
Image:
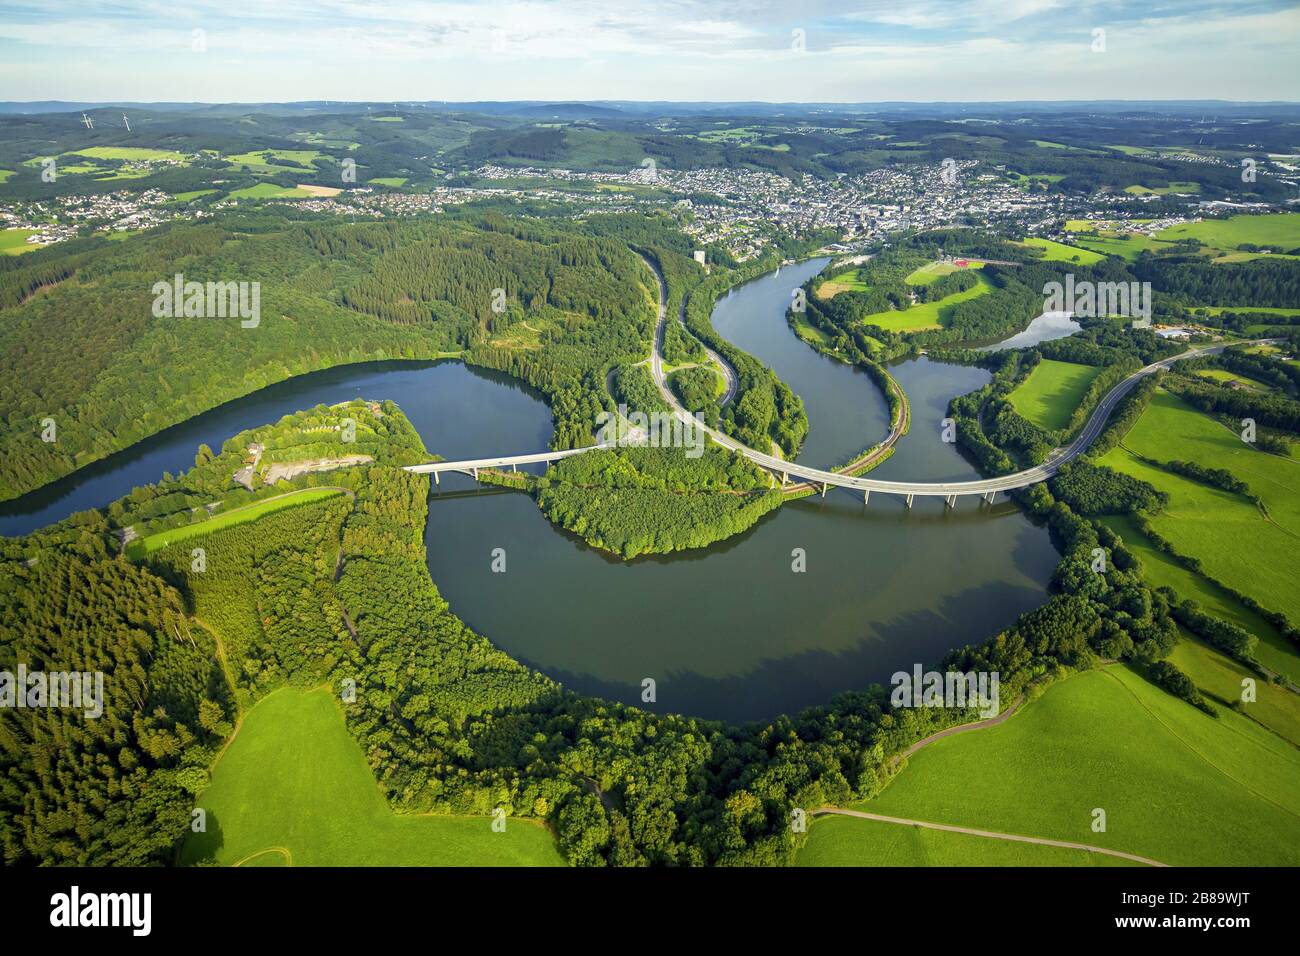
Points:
x=729 y=631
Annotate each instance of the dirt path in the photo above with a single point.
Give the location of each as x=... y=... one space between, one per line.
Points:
x=988 y=834
x=961 y=729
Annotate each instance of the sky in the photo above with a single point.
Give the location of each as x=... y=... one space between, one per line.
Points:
x=685 y=50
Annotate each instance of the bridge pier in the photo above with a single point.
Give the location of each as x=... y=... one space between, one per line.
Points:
x=866 y=495
x=474 y=472
x=909 y=501
x=785 y=476
x=514 y=468
x=951 y=501
x=990 y=496
x=437 y=479
x=824 y=487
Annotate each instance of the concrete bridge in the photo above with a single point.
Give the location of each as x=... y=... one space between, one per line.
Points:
x=822 y=480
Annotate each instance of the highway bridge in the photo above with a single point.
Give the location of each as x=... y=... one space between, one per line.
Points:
x=819 y=479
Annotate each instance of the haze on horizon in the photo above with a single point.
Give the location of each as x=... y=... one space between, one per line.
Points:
x=681 y=50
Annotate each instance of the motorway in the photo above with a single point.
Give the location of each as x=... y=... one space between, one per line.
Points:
x=821 y=479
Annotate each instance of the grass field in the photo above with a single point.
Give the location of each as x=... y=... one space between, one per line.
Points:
x=1236 y=544
x=1052 y=392
x=809 y=332
x=1223 y=375
x=5 y=174
x=1173 y=187
x=850 y=841
x=849 y=281
x=294 y=788
x=1280 y=231
x=148 y=544
x=1060 y=252
x=1267 y=310
x=127 y=153
x=257 y=164
x=268 y=191
x=1160 y=570
x=389 y=180
x=1176 y=785
x=1128 y=249
x=13 y=242
x=192 y=194
x=935 y=270
x=926 y=315
x=1220 y=676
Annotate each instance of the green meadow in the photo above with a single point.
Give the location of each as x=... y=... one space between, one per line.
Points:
x=268 y=191
x=141 y=547
x=393 y=181
x=853 y=841
x=1281 y=231
x=127 y=153
x=1160 y=570
x=1220 y=677
x=926 y=315
x=256 y=161
x=1173 y=187
x=13 y=242
x=1051 y=393
x=5 y=174
x=1060 y=252
x=1112 y=245
x=293 y=788
x=850 y=281
x=935 y=270
x=1176 y=785
x=1237 y=544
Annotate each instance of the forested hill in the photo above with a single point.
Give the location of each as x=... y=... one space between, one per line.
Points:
x=80 y=345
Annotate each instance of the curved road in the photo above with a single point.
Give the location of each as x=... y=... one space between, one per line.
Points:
x=984 y=486
x=826 y=479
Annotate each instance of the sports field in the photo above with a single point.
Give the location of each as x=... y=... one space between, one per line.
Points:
x=1052 y=392
x=850 y=841
x=294 y=788
x=1176 y=785
x=148 y=544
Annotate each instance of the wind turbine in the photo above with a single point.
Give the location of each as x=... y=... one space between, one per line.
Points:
x=127 y=122
x=87 y=121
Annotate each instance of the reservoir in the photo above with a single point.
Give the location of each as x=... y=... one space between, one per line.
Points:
x=729 y=631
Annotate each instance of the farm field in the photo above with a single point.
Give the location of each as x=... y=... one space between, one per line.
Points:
x=1128 y=249
x=1281 y=231
x=127 y=153
x=268 y=191
x=192 y=194
x=1176 y=785
x=853 y=841
x=148 y=544
x=849 y=281
x=257 y=163
x=389 y=180
x=1160 y=570
x=1223 y=375
x=1051 y=393
x=1172 y=188
x=13 y=242
x=1266 y=310
x=926 y=315
x=1236 y=544
x=1060 y=252
x=294 y=788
